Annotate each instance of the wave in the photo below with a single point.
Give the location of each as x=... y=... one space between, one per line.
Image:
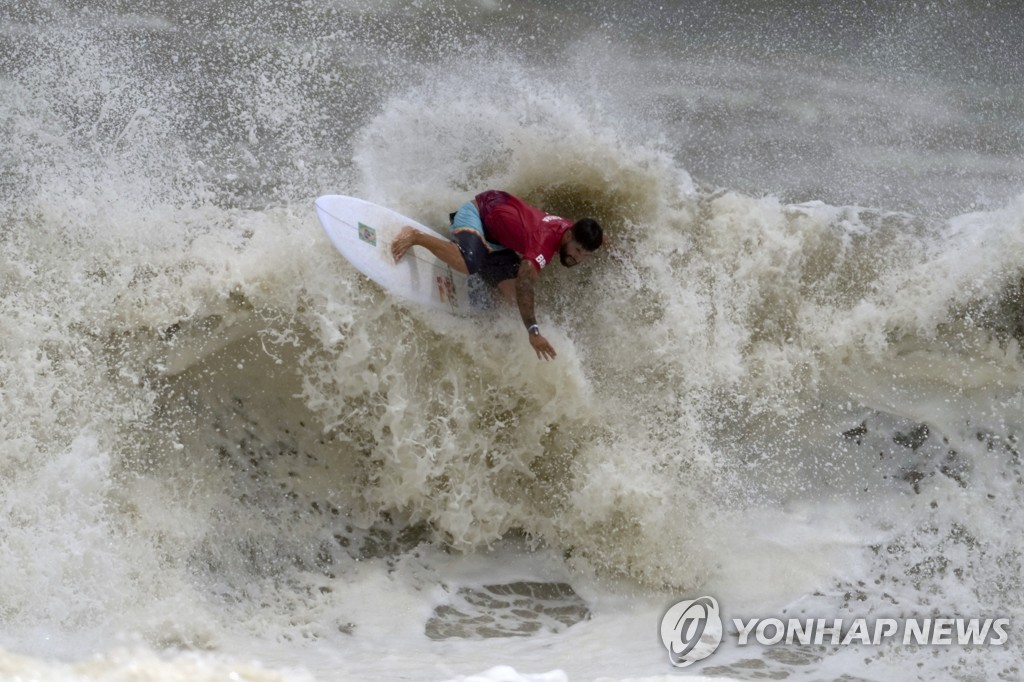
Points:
x=206 y=406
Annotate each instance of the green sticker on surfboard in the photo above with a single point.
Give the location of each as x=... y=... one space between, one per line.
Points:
x=368 y=234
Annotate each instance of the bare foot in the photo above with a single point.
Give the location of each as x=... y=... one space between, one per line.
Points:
x=404 y=241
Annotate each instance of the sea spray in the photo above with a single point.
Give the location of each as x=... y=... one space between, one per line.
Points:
x=218 y=436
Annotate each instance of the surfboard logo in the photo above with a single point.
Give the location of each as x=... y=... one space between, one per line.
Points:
x=446 y=289
x=367 y=234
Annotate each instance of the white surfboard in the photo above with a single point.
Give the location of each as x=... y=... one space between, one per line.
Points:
x=363 y=232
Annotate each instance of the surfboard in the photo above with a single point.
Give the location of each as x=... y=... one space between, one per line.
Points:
x=362 y=232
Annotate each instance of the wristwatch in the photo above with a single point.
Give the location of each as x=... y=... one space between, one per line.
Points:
x=534 y=330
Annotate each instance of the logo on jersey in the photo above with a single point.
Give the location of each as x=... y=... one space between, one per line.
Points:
x=541 y=261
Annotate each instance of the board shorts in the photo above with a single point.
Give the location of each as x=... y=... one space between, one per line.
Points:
x=493 y=262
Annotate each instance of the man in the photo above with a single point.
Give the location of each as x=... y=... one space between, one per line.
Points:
x=508 y=242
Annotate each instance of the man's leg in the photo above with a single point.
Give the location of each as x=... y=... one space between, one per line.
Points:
x=500 y=270
x=446 y=251
x=465 y=252
x=507 y=288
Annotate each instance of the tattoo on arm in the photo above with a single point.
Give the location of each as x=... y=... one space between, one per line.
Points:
x=524 y=292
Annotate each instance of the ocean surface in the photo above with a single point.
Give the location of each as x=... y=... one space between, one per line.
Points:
x=793 y=380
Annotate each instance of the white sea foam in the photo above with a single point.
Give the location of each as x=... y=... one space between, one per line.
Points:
x=226 y=453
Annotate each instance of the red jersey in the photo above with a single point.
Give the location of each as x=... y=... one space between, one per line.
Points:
x=535 y=235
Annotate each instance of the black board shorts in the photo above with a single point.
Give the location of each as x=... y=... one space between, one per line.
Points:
x=492 y=262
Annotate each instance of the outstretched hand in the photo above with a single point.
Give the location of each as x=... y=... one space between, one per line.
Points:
x=542 y=347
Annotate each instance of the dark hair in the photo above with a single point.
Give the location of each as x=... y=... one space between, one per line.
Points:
x=588 y=233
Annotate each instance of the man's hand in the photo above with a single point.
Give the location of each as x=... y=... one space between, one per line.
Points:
x=525 y=280
x=404 y=241
x=543 y=348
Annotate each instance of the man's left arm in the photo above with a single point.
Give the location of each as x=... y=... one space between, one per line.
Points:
x=526 y=281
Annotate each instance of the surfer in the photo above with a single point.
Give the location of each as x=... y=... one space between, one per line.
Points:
x=508 y=242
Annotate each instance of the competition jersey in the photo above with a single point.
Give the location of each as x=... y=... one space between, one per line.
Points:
x=530 y=232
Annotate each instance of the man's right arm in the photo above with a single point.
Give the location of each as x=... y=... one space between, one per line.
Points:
x=525 y=283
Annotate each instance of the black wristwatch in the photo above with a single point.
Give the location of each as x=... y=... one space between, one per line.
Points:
x=534 y=330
